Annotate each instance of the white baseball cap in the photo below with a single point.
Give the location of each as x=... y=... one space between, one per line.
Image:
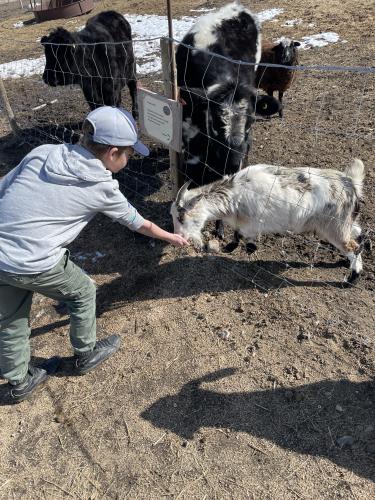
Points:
x=116 y=127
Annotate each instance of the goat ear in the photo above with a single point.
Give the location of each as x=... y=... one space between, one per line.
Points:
x=181 y=193
x=194 y=201
x=296 y=44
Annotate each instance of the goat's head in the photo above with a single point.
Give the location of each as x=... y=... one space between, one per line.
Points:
x=286 y=52
x=189 y=214
x=60 y=65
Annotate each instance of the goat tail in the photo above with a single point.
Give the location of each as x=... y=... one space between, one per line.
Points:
x=356 y=171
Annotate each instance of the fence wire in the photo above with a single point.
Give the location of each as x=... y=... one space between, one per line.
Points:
x=328 y=119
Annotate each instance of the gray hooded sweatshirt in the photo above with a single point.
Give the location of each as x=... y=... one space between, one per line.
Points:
x=48 y=199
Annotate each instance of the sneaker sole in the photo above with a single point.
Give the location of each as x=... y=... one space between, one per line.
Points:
x=29 y=396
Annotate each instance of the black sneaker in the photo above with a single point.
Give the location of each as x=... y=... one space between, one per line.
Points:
x=103 y=349
x=35 y=377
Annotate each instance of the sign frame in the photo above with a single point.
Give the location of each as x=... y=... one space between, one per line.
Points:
x=160 y=118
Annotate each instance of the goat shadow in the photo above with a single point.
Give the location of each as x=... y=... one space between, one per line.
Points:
x=303 y=420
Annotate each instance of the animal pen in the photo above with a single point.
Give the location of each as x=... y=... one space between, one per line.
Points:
x=231 y=363
x=336 y=113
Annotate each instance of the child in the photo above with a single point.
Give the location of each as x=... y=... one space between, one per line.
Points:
x=44 y=204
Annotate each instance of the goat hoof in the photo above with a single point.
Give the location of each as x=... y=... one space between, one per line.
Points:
x=230 y=247
x=251 y=248
x=353 y=278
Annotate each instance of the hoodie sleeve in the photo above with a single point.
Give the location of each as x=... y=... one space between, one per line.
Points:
x=117 y=207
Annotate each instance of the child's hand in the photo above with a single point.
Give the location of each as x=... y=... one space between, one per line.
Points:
x=177 y=240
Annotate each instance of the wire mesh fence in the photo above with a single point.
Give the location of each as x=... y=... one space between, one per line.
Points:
x=328 y=119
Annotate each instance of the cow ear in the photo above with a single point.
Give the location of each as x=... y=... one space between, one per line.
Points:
x=296 y=44
x=265 y=105
x=44 y=40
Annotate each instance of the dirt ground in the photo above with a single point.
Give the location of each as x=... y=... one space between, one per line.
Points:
x=239 y=376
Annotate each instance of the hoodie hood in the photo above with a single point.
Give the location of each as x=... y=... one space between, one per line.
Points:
x=72 y=164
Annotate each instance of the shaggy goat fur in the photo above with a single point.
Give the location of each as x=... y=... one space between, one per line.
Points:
x=268 y=199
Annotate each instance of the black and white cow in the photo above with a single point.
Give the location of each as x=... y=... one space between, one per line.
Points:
x=220 y=100
x=99 y=58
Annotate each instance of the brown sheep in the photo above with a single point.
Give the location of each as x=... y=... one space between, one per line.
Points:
x=277 y=79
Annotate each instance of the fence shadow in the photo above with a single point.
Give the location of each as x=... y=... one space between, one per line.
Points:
x=303 y=420
x=189 y=276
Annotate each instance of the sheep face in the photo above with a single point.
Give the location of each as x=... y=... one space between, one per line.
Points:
x=59 y=69
x=286 y=52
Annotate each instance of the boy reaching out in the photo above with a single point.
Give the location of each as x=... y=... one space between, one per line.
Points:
x=45 y=202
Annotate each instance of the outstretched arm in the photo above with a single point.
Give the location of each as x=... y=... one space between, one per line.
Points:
x=152 y=230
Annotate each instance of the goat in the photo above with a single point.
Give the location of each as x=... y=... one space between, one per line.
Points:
x=272 y=79
x=219 y=96
x=99 y=58
x=268 y=199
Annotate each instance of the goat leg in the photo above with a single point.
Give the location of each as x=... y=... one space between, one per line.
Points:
x=219 y=229
x=250 y=247
x=233 y=244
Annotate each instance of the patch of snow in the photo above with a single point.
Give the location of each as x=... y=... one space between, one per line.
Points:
x=22 y=68
x=202 y=10
x=292 y=22
x=319 y=40
x=267 y=15
x=18 y=25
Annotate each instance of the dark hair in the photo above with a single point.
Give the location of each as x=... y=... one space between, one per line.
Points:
x=95 y=147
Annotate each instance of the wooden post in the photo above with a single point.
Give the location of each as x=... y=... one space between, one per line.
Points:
x=170 y=89
x=8 y=109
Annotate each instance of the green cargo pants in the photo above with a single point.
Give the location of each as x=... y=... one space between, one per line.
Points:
x=65 y=282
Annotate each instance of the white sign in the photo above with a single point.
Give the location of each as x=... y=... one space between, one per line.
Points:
x=160 y=118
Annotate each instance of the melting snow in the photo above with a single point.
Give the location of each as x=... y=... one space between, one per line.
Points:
x=319 y=40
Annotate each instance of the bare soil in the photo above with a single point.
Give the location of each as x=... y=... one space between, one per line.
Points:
x=239 y=376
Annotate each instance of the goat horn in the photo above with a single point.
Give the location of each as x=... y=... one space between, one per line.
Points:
x=181 y=192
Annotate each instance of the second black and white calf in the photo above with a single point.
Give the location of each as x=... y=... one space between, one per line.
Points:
x=219 y=97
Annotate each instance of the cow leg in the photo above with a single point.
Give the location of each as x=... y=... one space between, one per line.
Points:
x=281 y=103
x=132 y=86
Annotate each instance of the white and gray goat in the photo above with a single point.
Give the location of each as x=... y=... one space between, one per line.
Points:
x=268 y=199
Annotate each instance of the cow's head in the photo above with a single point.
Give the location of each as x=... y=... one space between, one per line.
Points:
x=231 y=110
x=59 y=52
